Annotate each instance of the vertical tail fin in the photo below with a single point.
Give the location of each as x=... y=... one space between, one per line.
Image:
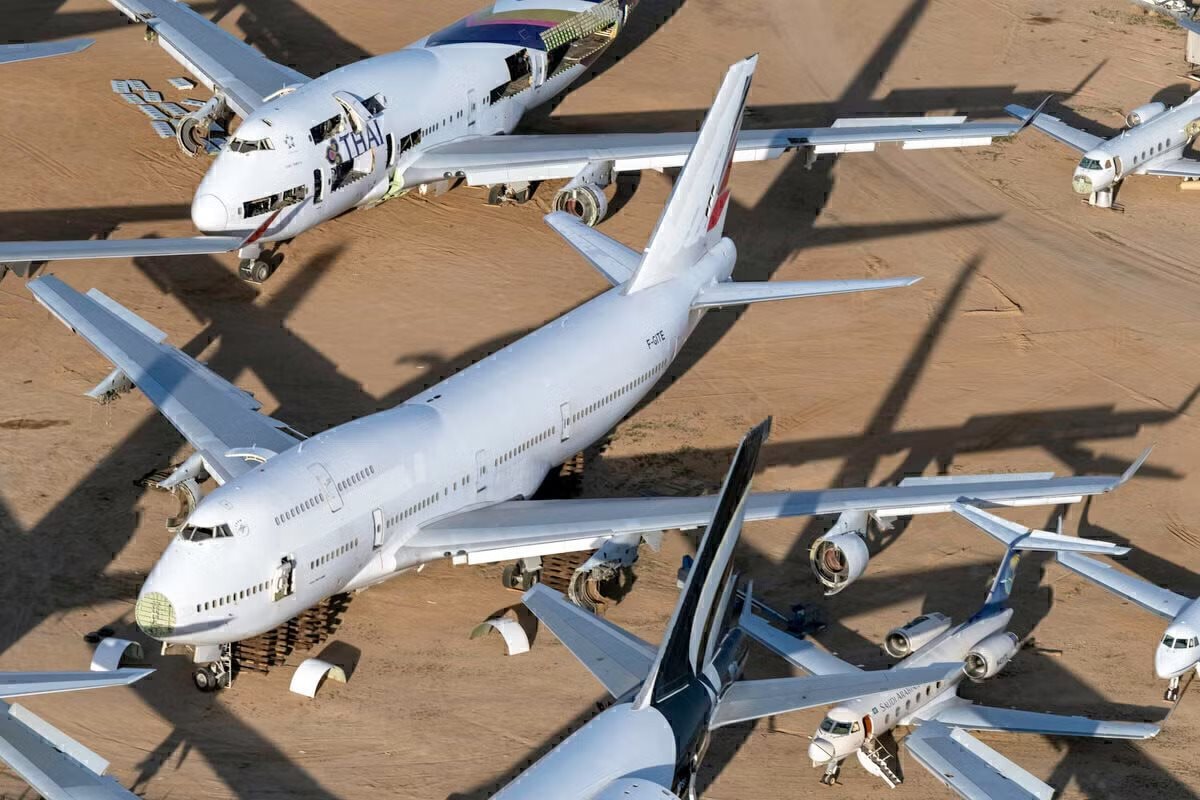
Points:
x=702 y=612
x=1003 y=582
x=694 y=218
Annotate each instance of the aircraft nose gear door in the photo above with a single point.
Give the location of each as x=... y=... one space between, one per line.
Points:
x=284 y=579
x=377 y=517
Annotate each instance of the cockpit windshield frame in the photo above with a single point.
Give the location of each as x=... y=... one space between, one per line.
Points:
x=200 y=533
x=1089 y=163
x=250 y=146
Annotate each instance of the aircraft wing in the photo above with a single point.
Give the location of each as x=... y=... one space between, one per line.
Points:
x=12 y=53
x=748 y=700
x=1011 y=720
x=970 y=768
x=617 y=658
x=21 y=684
x=798 y=652
x=525 y=528
x=1057 y=129
x=18 y=254
x=1013 y=535
x=227 y=66
x=1178 y=168
x=220 y=420
x=1153 y=598
x=615 y=261
x=485 y=160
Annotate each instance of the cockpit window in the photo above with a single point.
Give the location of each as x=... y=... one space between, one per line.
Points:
x=247 y=146
x=1168 y=641
x=835 y=728
x=1089 y=163
x=1184 y=644
x=195 y=533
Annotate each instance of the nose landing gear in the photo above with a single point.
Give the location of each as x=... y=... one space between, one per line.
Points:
x=255 y=265
x=832 y=770
x=215 y=674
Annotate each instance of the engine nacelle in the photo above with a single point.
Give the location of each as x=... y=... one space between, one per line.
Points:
x=586 y=201
x=839 y=557
x=194 y=129
x=914 y=635
x=989 y=656
x=1143 y=114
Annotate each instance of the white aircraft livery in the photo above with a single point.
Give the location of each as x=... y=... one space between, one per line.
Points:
x=1179 y=650
x=12 y=53
x=941 y=742
x=651 y=741
x=54 y=764
x=422 y=118
x=1153 y=144
x=295 y=520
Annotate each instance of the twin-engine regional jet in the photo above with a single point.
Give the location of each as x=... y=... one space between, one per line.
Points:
x=651 y=741
x=1153 y=144
x=941 y=742
x=54 y=764
x=1179 y=650
x=297 y=520
x=424 y=117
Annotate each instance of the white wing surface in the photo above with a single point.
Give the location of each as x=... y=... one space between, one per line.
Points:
x=12 y=53
x=1012 y=720
x=22 y=684
x=1057 y=129
x=970 y=768
x=1153 y=598
x=798 y=652
x=1178 y=168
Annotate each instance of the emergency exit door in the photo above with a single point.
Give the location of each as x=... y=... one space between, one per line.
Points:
x=377 y=518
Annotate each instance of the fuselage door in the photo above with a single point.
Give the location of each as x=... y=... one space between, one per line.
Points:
x=471 y=108
x=481 y=476
x=565 y=410
x=377 y=518
x=328 y=488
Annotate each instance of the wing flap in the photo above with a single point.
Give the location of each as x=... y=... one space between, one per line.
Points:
x=1153 y=598
x=617 y=658
x=749 y=700
x=215 y=416
x=970 y=768
x=1055 y=128
x=1014 y=720
x=55 y=765
x=219 y=60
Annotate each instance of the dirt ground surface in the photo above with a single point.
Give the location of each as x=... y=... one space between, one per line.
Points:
x=1046 y=336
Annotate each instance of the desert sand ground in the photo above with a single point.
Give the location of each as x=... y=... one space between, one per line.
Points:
x=1046 y=335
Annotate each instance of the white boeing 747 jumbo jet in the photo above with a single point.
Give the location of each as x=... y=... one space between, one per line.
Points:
x=1153 y=144
x=54 y=764
x=296 y=520
x=424 y=117
x=1179 y=650
x=941 y=742
x=651 y=741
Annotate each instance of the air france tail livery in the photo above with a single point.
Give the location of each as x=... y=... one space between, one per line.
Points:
x=423 y=118
x=1153 y=144
x=295 y=520
x=1179 y=650
x=651 y=741
x=982 y=646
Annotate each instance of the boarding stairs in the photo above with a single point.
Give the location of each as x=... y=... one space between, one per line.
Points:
x=878 y=760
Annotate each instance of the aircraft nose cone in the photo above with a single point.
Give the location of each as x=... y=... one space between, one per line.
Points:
x=155 y=614
x=209 y=214
x=1082 y=184
x=820 y=751
x=1164 y=665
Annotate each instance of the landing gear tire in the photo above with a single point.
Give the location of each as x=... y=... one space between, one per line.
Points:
x=205 y=679
x=517 y=578
x=1172 y=692
x=254 y=270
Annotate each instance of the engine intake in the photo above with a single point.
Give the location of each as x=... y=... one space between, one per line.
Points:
x=1143 y=114
x=989 y=656
x=839 y=557
x=915 y=634
x=586 y=201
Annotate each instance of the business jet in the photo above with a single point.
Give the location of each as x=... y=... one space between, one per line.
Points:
x=1153 y=144
x=296 y=520
x=423 y=118
x=941 y=741
x=651 y=741
x=1179 y=650
x=56 y=766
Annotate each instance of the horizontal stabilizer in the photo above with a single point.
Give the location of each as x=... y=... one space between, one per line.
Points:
x=618 y=659
x=970 y=768
x=21 y=684
x=613 y=260
x=745 y=292
x=749 y=700
x=797 y=652
x=54 y=764
x=1019 y=537
x=1013 y=720
x=12 y=53
x=1154 y=599
x=16 y=253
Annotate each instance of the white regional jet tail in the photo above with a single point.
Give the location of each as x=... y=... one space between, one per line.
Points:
x=54 y=764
